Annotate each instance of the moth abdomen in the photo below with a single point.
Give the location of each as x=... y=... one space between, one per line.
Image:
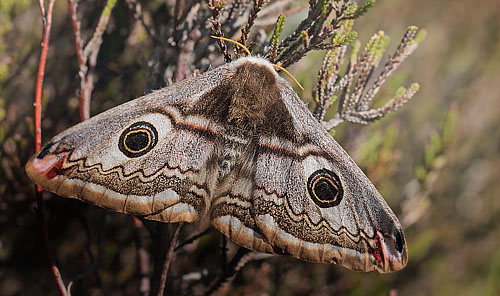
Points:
x=233 y=143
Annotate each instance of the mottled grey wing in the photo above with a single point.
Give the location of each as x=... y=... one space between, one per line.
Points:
x=307 y=198
x=146 y=157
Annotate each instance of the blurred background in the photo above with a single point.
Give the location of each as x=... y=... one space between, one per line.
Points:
x=436 y=161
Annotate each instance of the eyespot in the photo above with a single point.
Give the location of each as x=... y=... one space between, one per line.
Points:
x=324 y=188
x=138 y=139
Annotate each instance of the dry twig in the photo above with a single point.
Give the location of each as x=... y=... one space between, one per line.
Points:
x=257 y=6
x=216 y=8
x=240 y=259
x=88 y=54
x=194 y=238
x=168 y=258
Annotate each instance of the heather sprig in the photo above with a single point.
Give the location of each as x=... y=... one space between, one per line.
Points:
x=356 y=89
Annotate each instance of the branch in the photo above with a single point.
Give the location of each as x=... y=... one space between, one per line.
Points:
x=257 y=6
x=242 y=257
x=47 y=24
x=139 y=15
x=353 y=105
x=90 y=51
x=328 y=71
x=94 y=260
x=193 y=238
x=216 y=8
x=406 y=47
x=168 y=258
x=186 y=54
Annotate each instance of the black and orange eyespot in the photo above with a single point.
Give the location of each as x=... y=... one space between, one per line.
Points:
x=138 y=139
x=325 y=188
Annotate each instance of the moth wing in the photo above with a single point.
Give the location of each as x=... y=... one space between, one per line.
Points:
x=146 y=157
x=274 y=212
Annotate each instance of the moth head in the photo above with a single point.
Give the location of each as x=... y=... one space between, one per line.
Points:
x=259 y=60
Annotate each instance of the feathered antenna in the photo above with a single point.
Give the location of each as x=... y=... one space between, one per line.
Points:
x=277 y=67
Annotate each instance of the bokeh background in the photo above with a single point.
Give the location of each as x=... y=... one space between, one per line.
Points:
x=436 y=161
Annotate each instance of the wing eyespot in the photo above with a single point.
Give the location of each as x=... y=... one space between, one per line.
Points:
x=138 y=139
x=325 y=188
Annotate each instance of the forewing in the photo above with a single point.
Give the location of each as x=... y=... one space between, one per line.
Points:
x=146 y=157
x=276 y=212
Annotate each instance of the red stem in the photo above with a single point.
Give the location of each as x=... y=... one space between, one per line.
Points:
x=41 y=4
x=76 y=31
x=47 y=22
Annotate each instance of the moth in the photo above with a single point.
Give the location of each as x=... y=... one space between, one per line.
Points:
x=235 y=145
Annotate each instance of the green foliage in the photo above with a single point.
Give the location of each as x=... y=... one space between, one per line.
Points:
x=492 y=285
x=421 y=35
x=355 y=46
x=377 y=153
x=345 y=39
x=2 y=109
x=332 y=100
x=365 y=7
x=434 y=158
x=325 y=7
x=3 y=127
x=351 y=9
x=401 y=92
x=346 y=36
x=4 y=70
x=9 y=9
x=422 y=244
x=377 y=45
x=109 y=7
x=280 y=24
x=304 y=35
